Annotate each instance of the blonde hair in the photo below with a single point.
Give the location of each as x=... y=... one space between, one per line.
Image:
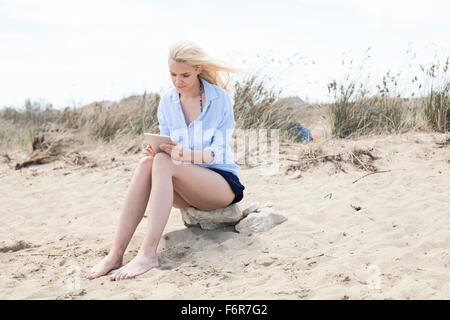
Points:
x=213 y=70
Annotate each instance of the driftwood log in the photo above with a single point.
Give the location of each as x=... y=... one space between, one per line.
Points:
x=48 y=150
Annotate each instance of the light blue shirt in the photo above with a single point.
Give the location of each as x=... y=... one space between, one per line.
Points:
x=212 y=129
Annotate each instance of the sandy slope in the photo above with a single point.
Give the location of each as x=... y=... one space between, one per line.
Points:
x=57 y=220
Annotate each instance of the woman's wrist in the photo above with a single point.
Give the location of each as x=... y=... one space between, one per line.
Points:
x=208 y=156
x=194 y=156
x=200 y=156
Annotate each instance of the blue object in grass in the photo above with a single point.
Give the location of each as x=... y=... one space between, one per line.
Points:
x=302 y=133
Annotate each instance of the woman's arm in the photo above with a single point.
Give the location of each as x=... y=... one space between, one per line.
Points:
x=177 y=152
x=163 y=127
x=205 y=155
x=222 y=135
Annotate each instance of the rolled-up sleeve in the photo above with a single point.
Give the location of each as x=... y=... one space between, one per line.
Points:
x=223 y=133
x=162 y=123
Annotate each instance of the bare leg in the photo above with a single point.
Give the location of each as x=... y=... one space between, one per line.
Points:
x=196 y=182
x=136 y=201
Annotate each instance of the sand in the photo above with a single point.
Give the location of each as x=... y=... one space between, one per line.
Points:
x=385 y=236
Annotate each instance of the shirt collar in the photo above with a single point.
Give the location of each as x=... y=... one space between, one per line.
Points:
x=210 y=93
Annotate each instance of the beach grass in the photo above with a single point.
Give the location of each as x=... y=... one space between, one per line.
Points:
x=354 y=110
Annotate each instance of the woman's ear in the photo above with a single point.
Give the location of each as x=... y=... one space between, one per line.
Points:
x=199 y=69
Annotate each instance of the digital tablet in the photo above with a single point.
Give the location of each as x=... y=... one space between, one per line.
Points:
x=155 y=140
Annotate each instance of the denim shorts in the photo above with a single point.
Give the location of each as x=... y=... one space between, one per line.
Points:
x=234 y=183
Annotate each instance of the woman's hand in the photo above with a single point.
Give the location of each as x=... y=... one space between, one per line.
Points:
x=150 y=150
x=176 y=151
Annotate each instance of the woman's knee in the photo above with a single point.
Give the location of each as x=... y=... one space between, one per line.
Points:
x=146 y=163
x=161 y=160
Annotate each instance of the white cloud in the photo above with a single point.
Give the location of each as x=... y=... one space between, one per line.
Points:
x=80 y=13
x=413 y=12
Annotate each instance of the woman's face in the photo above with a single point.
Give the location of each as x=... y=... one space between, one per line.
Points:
x=183 y=75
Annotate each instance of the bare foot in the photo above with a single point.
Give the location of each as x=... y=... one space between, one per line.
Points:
x=110 y=262
x=140 y=264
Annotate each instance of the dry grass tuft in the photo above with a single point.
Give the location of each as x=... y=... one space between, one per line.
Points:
x=309 y=157
x=444 y=143
x=78 y=159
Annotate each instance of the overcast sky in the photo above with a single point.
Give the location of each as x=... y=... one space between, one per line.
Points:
x=71 y=53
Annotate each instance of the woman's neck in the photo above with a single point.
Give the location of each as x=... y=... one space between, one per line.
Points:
x=194 y=92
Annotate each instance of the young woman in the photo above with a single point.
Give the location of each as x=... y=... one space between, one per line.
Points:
x=198 y=169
